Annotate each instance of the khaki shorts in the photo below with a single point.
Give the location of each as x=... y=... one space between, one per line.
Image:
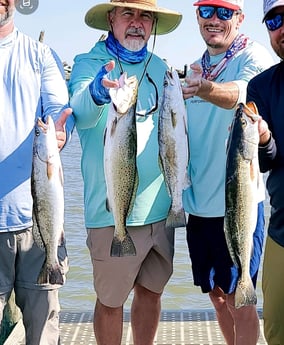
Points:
x=273 y=296
x=152 y=267
x=21 y=261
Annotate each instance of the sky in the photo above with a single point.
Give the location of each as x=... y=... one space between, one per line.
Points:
x=66 y=32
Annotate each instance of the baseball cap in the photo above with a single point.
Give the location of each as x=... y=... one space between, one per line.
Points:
x=268 y=5
x=231 y=4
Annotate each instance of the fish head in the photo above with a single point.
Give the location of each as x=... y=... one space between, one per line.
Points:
x=244 y=135
x=172 y=82
x=44 y=143
x=124 y=96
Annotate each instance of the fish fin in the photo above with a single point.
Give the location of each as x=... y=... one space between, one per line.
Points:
x=61 y=176
x=113 y=126
x=49 y=170
x=108 y=207
x=176 y=219
x=174 y=119
x=51 y=274
x=124 y=247
x=245 y=293
x=37 y=235
x=132 y=200
x=61 y=239
x=254 y=171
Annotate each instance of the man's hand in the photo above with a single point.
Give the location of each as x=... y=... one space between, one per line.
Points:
x=192 y=82
x=99 y=87
x=264 y=132
x=60 y=127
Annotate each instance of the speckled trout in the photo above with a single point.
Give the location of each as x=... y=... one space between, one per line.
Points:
x=173 y=146
x=242 y=177
x=120 y=149
x=48 y=199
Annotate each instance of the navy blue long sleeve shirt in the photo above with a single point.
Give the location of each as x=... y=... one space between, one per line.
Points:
x=267 y=91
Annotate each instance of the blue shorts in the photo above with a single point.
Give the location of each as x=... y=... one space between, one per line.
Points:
x=210 y=259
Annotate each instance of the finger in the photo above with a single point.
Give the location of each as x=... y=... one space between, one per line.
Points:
x=110 y=66
x=60 y=123
x=110 y=83
x=196 y=68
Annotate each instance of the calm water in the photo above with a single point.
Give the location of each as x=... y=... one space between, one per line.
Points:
x=78 y=293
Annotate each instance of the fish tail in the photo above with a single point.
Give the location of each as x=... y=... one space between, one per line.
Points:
x=176 y=219
x=123 y=247
x=245 y=293
x=51 y=274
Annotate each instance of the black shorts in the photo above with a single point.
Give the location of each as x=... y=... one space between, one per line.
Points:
x=210 y=259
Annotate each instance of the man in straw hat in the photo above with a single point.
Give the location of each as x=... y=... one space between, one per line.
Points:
x=266 y=90
x=129 y=25
x=215 y=86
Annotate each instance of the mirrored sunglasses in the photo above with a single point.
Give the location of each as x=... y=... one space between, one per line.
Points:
x=274 y=23
x=207 y=12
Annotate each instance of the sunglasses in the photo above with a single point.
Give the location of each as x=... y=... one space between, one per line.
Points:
x=274 y=23
x=207 y=12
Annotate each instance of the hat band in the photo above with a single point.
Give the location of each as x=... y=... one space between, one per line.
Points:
x=149 y=3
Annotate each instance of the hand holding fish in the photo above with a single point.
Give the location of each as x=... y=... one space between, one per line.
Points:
x=100 y=86
x=60 y=127
x=264 y=132
x=192 y=82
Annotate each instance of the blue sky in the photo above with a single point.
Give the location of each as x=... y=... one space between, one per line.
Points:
x=67 y=33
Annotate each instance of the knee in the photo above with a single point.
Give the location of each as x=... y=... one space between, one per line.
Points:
x=218 y=298
x=142 y=293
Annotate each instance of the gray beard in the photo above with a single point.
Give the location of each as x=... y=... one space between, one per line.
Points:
x=133 y=45
x=6 y=17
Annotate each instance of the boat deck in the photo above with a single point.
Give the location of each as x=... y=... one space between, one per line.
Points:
x=176 y=328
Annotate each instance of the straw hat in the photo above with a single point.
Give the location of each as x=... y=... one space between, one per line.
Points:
x=168 y=20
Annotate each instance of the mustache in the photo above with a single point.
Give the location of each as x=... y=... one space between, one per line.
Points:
x=135 y=31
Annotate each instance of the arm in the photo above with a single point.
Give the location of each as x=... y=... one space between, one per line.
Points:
x=89 y=94
x=267 y=149
x=54 y=95
x=224 y=95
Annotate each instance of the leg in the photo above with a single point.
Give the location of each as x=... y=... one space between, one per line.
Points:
x=246 y=323
x=108 y=324
x=239 y=326
x=145 y=315
x=42 y=326
x=273 y=296
x=224 y=317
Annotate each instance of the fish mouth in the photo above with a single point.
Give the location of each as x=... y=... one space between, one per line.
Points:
x=251 y=111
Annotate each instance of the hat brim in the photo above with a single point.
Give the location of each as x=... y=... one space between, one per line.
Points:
x=219 y=3
x=168 y=20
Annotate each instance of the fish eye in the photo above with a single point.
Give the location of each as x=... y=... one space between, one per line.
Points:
x=243 y=122
x=166 y=83
x=37 y=132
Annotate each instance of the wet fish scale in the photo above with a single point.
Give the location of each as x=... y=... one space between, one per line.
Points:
x=120 y=148
x=173 y=146
x=48 y=200
x=242 y=174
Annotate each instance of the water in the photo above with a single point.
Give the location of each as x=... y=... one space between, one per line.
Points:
x=78 y=292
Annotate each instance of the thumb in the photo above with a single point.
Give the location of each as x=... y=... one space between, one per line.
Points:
x=60 y=123
x=196 y=69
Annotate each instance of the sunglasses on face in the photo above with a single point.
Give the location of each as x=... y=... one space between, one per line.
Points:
x=275 y=22
x=207 y=12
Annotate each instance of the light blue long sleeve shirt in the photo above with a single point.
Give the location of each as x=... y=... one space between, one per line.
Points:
x=208 y=129
x=32 y=86
x=152 y=200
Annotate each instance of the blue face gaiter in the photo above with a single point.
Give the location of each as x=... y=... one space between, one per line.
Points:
x=119 y=52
